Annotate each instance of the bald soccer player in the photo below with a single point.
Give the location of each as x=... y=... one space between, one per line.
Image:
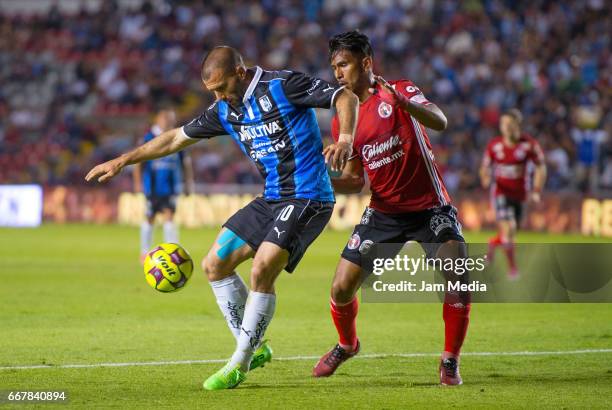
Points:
x=270 y=115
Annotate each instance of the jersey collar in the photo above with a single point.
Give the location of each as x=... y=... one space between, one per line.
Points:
x=253 y=84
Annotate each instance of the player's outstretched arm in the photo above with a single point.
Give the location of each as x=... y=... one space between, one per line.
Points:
x=351 y=181
x=347 y=107
x=427 y=114
x=166 y=143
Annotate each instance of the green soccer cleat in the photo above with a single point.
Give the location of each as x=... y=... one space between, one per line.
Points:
x=261 y=356
x=226 y=378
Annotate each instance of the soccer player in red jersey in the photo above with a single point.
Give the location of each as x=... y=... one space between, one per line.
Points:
x=508 y=156
x=409 y=200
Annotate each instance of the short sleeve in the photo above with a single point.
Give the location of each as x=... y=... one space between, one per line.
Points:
x=536 y=155
x=207 y=125
x=306 y=91
x=414 y=94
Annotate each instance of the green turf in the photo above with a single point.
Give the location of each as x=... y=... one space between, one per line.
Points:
x=76 y=294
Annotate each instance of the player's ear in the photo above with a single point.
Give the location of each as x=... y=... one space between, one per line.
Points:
x=241 y=72
x=366 y=63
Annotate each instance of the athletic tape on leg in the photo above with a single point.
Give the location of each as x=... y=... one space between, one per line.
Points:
x=228 y=242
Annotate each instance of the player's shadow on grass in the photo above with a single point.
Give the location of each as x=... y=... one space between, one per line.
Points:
x=397 y=380
x=401 y=381
x=400 y=384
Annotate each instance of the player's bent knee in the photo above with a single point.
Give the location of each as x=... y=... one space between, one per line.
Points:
x=215 y=269
x=342 y=292
x=347 y=281
x=263 y=276
x=261 y=282
x=208 y=266
x=452 y=249
x=259 y=271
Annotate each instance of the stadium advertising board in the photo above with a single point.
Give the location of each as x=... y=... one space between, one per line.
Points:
x=556 y=214
x=21 y=205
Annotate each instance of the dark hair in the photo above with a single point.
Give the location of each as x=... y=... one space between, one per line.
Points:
x=354 y=41
x=514 y=114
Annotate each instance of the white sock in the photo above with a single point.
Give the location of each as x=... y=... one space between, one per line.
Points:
x=170 y=232
x=146 y=237
x=231 y=294
x=257 y=316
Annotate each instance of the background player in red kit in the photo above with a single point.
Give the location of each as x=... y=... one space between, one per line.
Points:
x=409 y=200
x=508 y=156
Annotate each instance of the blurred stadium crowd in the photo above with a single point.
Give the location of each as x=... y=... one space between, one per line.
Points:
x=81 y=78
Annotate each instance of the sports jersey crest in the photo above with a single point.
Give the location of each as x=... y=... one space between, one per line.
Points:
x=265 y=103
x=384 y=110
x=354 y=242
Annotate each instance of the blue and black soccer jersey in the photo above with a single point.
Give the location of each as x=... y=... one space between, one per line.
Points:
x=162 y=176
x=276 y=127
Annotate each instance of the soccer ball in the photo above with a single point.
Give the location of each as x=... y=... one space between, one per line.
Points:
x=167 y=267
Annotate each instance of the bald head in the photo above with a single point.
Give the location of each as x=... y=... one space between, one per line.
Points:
x=222 y=60
x=224 y=74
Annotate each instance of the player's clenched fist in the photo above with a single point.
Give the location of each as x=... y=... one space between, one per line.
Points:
x=337 y=155
x=106 y=170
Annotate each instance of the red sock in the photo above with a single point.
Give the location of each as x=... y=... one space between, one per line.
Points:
x=344 y=319
x=509 y=249
x=456 y=319
x=495 y=241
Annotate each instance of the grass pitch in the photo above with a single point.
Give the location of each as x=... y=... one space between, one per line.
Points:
x=76 y=295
